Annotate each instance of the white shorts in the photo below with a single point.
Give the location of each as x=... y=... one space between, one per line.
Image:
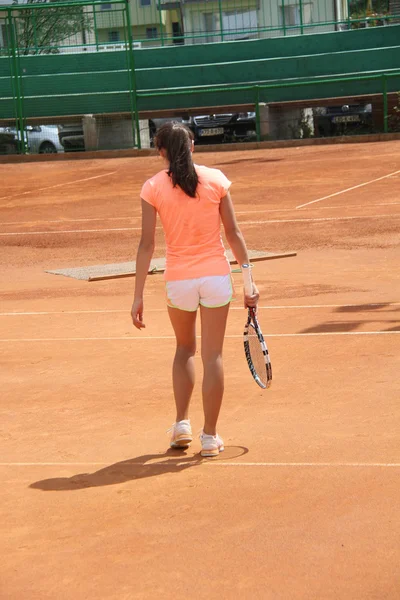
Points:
x=212 y=292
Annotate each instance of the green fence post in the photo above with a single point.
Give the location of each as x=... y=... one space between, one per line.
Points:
x=385 y=105
x=283 y=17
x=161 y=23
x=35 y=33
x=18 y=91
x=258 y=119
x=348 y=14
x=132 y=76
x=301 y=17
x=96 y=33
x=220 y=20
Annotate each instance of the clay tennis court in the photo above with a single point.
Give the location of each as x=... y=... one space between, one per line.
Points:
x=303 y=504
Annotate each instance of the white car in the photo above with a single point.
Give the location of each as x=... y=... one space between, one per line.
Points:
x=40 y=139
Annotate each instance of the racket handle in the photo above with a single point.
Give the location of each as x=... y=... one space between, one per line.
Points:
x=247 y=280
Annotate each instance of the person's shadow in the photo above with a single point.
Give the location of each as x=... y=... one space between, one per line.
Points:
x=148 y=465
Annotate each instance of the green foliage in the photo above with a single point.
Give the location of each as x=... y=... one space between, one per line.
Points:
x=44 y=31
x=368 y=13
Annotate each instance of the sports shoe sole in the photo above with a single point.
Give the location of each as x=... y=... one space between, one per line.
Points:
x=212 y=452
x=181 y=441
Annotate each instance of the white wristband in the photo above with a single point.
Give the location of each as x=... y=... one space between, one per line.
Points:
x=247 y=280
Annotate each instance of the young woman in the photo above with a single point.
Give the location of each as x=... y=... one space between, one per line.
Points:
x=192 y=201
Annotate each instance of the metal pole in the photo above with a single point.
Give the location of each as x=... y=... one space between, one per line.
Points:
x=132 y=76
x=35 y=32
x=301 y=17
x=96 y=33
x=161 y=23
x=348 y=15
x=18 y=92
x=283 y=17
x=385 y=104
x=221 y=26
x=258 y=119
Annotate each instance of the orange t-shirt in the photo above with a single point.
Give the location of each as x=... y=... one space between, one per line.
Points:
x=192 y=226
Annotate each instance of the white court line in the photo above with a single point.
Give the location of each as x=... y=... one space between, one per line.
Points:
x=191 y=463
x=140 y=338
x=267 y=210
x=61 y=221
x=56 y=186
x=240 y=223
x=123 y=310
x=313 y=220
x=348 y=189
x=243 y=212
x=72 y=231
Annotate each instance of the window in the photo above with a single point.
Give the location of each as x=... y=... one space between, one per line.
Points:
x=209 y=22
x=177 y=33
x=113 y=36
x=105 y=6
x=3 y=36
x=145 y=2
x=237 y=21
x=151 y=33
x=290 y=15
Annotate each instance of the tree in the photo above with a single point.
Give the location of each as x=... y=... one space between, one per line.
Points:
x=43 y=30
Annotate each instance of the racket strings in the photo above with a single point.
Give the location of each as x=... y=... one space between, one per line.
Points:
x=257 y=355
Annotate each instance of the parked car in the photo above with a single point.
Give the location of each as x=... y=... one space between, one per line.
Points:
x=212 y=128
x=223 y=127
x=8 y=142
x=39 y=139
x=155 y=124
x=343 y=119
x=71 y=137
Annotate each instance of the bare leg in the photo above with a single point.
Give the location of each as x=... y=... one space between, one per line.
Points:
x=184 y=324
x=213 y=325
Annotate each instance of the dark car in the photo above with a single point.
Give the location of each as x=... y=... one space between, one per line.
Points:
x=71 y=137
x=215 y=128
x=343 y=119
x=8 y=142
x=223 y=127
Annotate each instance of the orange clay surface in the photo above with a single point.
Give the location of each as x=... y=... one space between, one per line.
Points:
x=304 y=503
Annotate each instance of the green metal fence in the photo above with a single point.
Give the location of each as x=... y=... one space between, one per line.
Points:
x=72 y=76
x=78 y=26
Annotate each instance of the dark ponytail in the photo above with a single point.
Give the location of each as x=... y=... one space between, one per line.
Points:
x=176 y=139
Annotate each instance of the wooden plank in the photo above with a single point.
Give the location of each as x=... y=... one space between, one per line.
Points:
x=157 y=265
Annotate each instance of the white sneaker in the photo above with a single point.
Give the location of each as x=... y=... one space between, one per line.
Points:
x=181 y=434
x=211 y=445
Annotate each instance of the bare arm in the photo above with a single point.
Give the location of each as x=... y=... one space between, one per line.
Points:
x=236 y=241
x=143 y=258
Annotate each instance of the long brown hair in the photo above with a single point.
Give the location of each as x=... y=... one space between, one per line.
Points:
x=176 y=139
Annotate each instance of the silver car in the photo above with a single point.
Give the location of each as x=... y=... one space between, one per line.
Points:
x=39 y=139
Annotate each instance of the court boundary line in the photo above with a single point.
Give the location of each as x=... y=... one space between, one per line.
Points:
x=239 y=212
x=248 y=212
x=122 y=310
x=354 y=187
x=225 y=463
x=56 y=186
x=242 y=223
x=172 y=337
x=83 y=220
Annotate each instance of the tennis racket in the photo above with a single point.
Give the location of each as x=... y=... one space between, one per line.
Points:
x=255 y=348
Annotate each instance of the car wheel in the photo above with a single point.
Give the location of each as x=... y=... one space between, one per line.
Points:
x=47 y=148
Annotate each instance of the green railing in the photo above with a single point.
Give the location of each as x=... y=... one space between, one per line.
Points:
x=256 y=89
x=80 y=26
x=73 y=33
